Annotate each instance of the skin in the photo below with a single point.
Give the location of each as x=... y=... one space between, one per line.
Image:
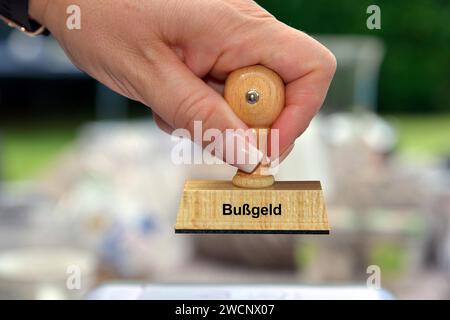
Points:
x=174 y=55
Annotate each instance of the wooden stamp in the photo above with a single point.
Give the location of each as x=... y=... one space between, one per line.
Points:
x=253 y=202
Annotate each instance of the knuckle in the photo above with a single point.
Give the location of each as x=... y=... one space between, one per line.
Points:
x=191 y=108
x=329 y=62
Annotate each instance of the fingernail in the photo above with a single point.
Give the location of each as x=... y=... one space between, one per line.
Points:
x=287 y=152
x=276 y=160
x=241 y=151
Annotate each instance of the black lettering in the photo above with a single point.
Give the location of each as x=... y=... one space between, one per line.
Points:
x=264 y=211
x=277 y=210
x=227 y=209
x=255 y=212
x=246 y=210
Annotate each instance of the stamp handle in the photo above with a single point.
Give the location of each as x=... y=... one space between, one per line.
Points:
x=256 y=94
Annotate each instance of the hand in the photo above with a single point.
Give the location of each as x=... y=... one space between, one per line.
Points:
x=174 y=55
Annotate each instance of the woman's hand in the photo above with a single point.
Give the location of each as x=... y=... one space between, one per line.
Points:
x=174 y=55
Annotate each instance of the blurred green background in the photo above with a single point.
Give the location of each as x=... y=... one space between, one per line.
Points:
x=415 y=75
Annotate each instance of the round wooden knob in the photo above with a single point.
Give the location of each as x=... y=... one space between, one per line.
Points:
x=256 y=95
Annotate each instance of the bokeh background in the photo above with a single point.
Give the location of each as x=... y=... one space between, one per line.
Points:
x=86 y=177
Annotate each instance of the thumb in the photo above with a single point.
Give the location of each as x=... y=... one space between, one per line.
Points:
x=181 y=99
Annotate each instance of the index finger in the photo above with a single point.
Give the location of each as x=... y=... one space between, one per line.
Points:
x=305 y=66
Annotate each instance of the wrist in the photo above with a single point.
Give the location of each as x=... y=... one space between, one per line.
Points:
x=37 y=10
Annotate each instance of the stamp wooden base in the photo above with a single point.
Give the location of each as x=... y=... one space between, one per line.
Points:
x=301 y=204
x=245 y=180
x=253 y=202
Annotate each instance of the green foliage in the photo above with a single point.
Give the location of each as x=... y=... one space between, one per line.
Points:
x=415 y=75
x=27 y=152
x=304 y=254
x=390 y=257
x=423 y=136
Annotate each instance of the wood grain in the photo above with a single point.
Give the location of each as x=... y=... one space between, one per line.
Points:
x=259 y=115
x=303 y=208
x=271 y=91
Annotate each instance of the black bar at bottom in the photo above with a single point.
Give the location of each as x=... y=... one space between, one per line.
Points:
x=197 y=231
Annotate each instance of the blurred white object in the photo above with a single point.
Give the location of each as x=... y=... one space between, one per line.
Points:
x=42 y=273
x=309 y=160
x=355 y=85
x=120 y=188
x=372 y=130
x=236 y=292
x=24 y=48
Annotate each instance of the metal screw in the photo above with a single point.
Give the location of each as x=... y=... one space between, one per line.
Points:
x=252 y=96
